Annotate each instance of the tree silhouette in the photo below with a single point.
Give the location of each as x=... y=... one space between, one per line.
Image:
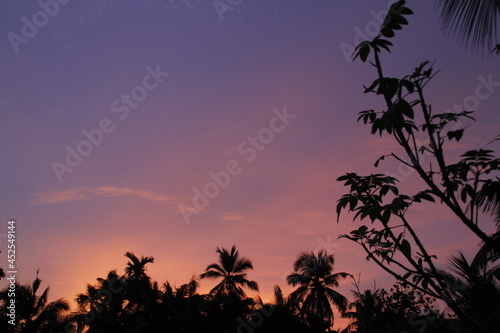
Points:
x=465 y=187
x=141 y=293
x=313 y=274
x=364 y=312
x=228 y=301
x=473 y=23
x=476 y=293
x=281 y=315
x=119 y=303
x=136 y=268
x=402 y=309
x=231 y=269
x=34 y=314
x=182 y=309
x=102 y=306
x=2 y=273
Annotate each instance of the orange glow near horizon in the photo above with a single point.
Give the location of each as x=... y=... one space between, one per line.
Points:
x=226 y=79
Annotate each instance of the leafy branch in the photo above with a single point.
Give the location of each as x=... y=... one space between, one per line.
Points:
x=464 y=187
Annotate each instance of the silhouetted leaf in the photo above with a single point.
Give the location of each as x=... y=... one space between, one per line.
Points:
x=455 y=134
x=362 y=50
x=496 y=49
x=423 y=195
x=406 y=248
x=372 y=86
x=388 y=86
x=382 y=43
x=387 y=32
x=405 y=108
x=408 y=85
x=378 y=160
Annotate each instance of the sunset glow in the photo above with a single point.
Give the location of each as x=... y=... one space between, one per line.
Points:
x=159 y=128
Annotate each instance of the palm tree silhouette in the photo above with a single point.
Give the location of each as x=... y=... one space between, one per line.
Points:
x=474 y=23
x=365 y=312
x=101 y=307
x=182 y=309
x=142 y=294
x=231 y=268
x=475 y=290
x=281 y=314
x=136 y=268
x=34 y=313
x=315 y=281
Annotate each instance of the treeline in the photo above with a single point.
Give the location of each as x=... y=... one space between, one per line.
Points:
x=133 y=302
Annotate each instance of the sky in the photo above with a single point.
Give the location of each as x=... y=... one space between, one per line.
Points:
x=116 y=115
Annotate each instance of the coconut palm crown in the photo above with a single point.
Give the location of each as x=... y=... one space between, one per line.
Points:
x=231 y=269
x=313 y=274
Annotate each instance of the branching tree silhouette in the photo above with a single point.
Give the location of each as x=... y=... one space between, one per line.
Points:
x=465 y=187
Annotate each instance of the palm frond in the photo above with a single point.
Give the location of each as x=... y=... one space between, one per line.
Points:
x=472 y=23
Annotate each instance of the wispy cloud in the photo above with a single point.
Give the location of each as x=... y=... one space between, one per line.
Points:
x=86 y=193
x=232 y=216
x=52 y=197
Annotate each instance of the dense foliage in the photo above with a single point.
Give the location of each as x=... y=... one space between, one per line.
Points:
x=469 y=188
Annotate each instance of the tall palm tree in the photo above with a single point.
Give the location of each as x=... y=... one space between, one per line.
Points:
x=142 y=294
x=474 y=23
x=231 y=269
x=140 y=286
x=34 y=313
x=136 y=268
x=315 y=281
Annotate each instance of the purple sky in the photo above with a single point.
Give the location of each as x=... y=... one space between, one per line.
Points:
x=228 y=78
